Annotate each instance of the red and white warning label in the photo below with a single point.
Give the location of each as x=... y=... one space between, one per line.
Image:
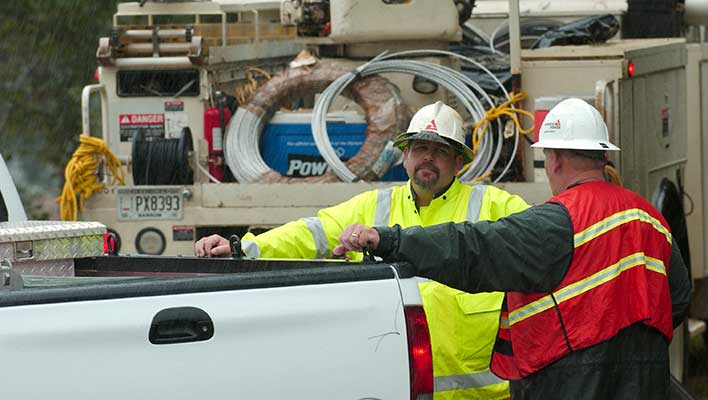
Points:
x=150 y=124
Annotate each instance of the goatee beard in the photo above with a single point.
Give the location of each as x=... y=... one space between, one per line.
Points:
x=429 y=183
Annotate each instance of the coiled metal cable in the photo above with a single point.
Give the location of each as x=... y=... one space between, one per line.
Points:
x=241 y=150
x=465 y=89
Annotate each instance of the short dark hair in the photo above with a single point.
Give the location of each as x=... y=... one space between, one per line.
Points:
x=600 y=155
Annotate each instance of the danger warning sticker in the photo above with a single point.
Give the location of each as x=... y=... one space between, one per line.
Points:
x=152 y=125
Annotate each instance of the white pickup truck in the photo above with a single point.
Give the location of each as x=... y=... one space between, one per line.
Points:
x=10 y=204
x=183 y=328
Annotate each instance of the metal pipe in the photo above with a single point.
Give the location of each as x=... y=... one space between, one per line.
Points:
x=85 y=109
x=515 y=45
x=256 y=26
x=153 y=63
x=223 y=29
x=146 y=34
x=86 y=116
x=163 y=48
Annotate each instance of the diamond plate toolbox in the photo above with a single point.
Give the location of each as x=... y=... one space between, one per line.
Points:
x=49 y=247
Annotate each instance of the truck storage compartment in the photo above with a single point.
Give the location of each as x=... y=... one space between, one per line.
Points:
x=49 y=247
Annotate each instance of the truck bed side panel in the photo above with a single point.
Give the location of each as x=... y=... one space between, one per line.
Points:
x=270 y=343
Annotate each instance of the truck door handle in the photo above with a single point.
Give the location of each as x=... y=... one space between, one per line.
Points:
x=181 y=325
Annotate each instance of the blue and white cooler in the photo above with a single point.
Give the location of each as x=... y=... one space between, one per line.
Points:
x=287 y=144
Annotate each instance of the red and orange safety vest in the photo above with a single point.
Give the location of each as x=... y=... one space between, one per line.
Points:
x=617 y=277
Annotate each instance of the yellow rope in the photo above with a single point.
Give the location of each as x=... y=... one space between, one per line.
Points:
x=480 y=127
x=245 y=91
x=482 y=177
x=80 y=175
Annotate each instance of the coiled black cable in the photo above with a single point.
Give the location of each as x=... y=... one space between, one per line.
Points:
x=159 y=161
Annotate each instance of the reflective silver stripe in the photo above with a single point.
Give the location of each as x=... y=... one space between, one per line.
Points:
x=599 y=278
x=474 y=204
x=458 y=382
x=616 y=220
x=477 y=379
x=251 y=248
x=318 y=234
x=383 y=207
x=655 y=265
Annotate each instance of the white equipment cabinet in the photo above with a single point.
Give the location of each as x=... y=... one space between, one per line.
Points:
x=639 y=86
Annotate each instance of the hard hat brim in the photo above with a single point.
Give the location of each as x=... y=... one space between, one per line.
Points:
x=402 y=140
x=575 y=145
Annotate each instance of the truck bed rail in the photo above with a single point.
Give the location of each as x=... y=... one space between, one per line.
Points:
x=125 y=277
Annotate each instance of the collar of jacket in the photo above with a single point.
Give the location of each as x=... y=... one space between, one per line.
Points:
x=448 y=193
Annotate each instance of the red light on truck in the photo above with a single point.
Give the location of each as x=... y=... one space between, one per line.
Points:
x=420 y=354
x=96 y=75
x=630 y=69
x=111 y=242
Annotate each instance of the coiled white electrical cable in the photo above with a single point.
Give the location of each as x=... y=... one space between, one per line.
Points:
x=441 y=75
x=469 y=176
x=242 y=140
x=466 y=90
x=242 y=155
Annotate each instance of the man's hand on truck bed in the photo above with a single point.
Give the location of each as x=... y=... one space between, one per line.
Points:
x=357 y=237
x=212 y=246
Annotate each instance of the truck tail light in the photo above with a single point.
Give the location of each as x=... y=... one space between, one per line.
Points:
x=419 y=353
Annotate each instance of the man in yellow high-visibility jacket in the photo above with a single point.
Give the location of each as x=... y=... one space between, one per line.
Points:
x=462 y=326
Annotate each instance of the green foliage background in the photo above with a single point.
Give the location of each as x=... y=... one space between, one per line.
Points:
x=47 y=55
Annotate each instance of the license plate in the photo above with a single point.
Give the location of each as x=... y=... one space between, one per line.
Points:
x=150 y=203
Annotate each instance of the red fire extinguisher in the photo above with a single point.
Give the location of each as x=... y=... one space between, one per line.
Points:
x=215 y=121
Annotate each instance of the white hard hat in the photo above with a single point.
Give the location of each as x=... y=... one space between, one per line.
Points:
x=437 y=123
x=574 y=124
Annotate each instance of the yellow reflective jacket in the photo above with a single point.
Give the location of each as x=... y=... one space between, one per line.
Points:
x=463 y=326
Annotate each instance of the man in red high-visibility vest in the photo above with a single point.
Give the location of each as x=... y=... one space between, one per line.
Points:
x=594 y=281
